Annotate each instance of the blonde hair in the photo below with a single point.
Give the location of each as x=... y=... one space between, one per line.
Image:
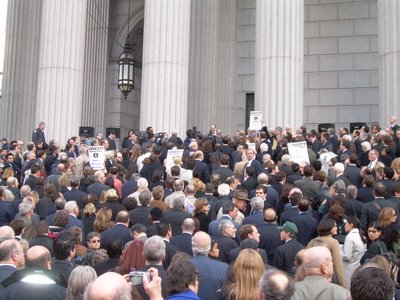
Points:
x=103 y=219
x=89 y=210
x=249 y=268
x=385 y=216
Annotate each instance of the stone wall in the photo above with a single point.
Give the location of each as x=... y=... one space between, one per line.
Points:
x=340 y=63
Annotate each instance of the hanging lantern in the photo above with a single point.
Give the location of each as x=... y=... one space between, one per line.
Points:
x=126 y=69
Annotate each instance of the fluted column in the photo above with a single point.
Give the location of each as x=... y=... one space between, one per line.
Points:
x=18 y=101
x=279 y=61
x=60 y=70
x=95 y=64
x=226 y=65
x=165 y=65
x=389 y=59
x=202 y=66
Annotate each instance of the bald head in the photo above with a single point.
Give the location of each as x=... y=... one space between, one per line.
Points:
x=270 y=215
x=314 y=259
x=201 y=243
x=38 y=256
x=6 y=233
x=109 y=286
x=276 y=284
x=188 y=225
x=11 y=252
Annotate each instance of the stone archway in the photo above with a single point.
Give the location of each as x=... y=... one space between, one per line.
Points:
x=120 y=112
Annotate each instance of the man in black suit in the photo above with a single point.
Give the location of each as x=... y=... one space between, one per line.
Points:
x=213 y=273
x=352 y=172
x=370 y=211
x=64 y=252
x=98 y=187
x=339 y=173
x=249 y=238
x=74 y=193
x=286 y=254
x=288 y=214
x=111 y=140
x=114 y=251
x=164 y=231
x=308 y=186
x=314 y=142
x=129 y=187
x=177 y=214
x=38 y=134
x=252 y=162
x=154 y=253
x=118 y=231
x=388 y=174
x=225 y=241
x=51 y=159
x=183 y=241
x=11 y=257
x=257 y=216
x=353 y=206
x=73 y=211
x=305 y=222
x=224 y=171
x=201 y=167
x=151 y=167
x=141 y=213
x=269 y=234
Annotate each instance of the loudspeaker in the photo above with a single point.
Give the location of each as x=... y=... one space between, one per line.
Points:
x=87 y=130
x=356 y=125
x=117 y=132
x=323 y=127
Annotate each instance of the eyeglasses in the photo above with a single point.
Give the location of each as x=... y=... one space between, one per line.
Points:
x=95 y=241
x=372 y=231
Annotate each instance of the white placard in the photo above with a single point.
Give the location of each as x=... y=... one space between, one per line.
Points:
x=299 y=152
x=255 y=122
x=325 y=158
x=171 y=154
x=252 y=146
x=96 y=157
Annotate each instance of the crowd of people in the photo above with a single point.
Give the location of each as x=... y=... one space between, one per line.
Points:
x=232 y=217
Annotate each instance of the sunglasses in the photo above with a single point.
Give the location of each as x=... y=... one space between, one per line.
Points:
x=95 y=241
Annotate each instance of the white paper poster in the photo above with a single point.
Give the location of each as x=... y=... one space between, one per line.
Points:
x=96 y=157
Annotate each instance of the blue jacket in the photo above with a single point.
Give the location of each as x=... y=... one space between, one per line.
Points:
x=189 y=294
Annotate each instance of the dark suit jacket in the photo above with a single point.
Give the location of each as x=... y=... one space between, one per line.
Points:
x=234 y=253
x=285 y=256
x=170 y=251
x=224 y=173
x=183 y=242
x=77 y=195
x=48 y=162
x=389 y=187
x=140 y=215
x=164 y=286
x=309 y=187
x=6 y=212
x=202 y=168
x=257 y=219
x=288 y=214
x=73 y=221
x=249 y=184
x=269 y=240
x=175 y=218
x=97 y=188
x=106 y=266
x=352 y=172
x=225 y=244
x=5 y=272
x=212 y=273
x=213 y=227
x=257 y=167
x=344 y=179
x=365 y=194
x=118 y=231
x=293 y=177
x=307 y=226
x=128 y=188
x=353 y=207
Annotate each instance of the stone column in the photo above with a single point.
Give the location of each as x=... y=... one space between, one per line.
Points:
x=95 y=65
x=60 y=70
x=389 y=59
x=279 y=61
x=18 y=101
x=226 y=63
x=202 y=66
x=165 y=65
